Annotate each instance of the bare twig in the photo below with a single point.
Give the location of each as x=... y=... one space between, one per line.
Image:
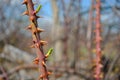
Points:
x=12 y=71
x=60 y=70
x=111 y=66
x=4 y=73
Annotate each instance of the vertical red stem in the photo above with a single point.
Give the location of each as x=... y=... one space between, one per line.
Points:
x=40 y=60
x=98 y=42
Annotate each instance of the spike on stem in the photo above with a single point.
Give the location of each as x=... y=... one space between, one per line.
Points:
x=36 y=60
x=43 y=42
x=49 y=73
x=24 y=2
x=25 y=13
x=40 y=30
x=29 y=27
x=32 y=46
x=43 y=63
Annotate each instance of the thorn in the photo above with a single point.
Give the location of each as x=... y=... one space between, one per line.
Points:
x=37 y=44
x=40 y=30
x=95 y=76
x=36 y=60
x=25 y=13
x=32 y=46
x=24 y=2
x=41 y=77
x=43 y=63
x=49 y=73
x=29 y=27
x=100 y=65
x=43 y=42
x=100 y=38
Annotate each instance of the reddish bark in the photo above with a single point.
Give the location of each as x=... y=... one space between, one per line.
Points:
x=37 y=42
x=98 y=42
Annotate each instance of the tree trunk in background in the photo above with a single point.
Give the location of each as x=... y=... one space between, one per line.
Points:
x=89 y=31
x=77 y=38
x=56 y=37
x=57 y=33
x=66 y=25
x=89 y=37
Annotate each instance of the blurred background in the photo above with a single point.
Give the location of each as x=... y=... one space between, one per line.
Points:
x=69 y=29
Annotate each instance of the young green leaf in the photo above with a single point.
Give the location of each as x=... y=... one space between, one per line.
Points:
x=38 y=8
x=49 y=52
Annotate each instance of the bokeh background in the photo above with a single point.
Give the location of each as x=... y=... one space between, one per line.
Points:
x=69 y=29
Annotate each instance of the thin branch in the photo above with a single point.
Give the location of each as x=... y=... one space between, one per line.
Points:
x=4 y=73
x=112 y=66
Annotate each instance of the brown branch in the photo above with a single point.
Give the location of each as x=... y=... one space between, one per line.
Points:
x=37 y=42
x=60 y=70
x=16 y=69
x=77 y=37
x=4 y=73
x=66 y=29
x=111 y=66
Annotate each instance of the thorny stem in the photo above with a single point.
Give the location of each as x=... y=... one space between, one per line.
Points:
x=37 y=42
x=98 y=42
